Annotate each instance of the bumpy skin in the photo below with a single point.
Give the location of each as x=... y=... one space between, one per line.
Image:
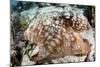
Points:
x=57 y=36
x=80 y=24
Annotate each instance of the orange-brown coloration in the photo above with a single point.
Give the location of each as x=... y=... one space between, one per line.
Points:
x=57 y=39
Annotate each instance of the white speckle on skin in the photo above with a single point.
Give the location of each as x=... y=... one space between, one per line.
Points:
x=57 y=41
x=52 y=43
x=57 y=22
x=49 y=37
x=46 y=34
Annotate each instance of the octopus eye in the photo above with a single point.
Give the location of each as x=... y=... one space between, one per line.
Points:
x=66 y=15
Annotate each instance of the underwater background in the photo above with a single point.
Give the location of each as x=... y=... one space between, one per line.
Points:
x=23 y=14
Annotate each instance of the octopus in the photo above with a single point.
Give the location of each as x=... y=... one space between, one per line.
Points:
x=57 y=36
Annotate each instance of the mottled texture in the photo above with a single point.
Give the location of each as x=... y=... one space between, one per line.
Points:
x=53 y=33
x=58 y=36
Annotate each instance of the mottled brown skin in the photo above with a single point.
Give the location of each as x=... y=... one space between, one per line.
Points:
x=57 y=40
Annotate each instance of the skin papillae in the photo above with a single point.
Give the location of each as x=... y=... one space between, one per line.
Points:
x=57 y=37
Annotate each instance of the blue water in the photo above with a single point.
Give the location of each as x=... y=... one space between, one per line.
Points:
x=13 y=2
